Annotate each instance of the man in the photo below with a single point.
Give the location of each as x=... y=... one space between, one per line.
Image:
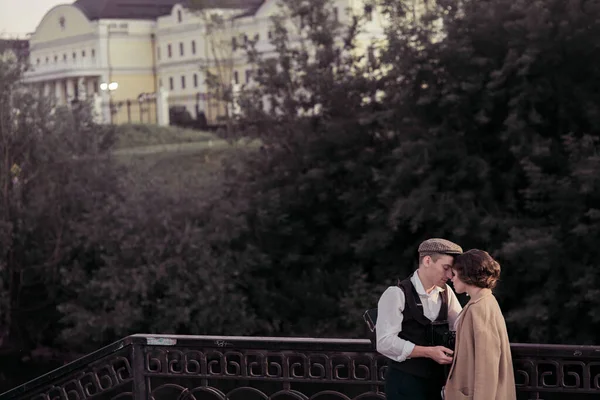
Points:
x=405 y=315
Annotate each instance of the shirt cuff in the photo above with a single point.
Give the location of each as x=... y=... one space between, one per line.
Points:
x=408 y=349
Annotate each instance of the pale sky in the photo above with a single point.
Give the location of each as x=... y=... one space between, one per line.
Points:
x=19 y=17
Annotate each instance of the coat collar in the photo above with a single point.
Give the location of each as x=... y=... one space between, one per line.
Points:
x=482 y=294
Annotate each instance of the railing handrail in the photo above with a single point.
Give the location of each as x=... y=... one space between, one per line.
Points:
x=272 y=343
x=309 y=339
x=285 y=339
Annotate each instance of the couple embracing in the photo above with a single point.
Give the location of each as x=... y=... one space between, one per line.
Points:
x=416 y=323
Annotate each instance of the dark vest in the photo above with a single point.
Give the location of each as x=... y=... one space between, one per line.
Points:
x=416 y=328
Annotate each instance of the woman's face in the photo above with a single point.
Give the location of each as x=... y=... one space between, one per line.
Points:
x=459 y=286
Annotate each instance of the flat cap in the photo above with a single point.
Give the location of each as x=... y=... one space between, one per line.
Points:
x=442 y=246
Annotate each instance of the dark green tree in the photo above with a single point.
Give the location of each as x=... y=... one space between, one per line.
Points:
x=457 y=130
x=498 y=112
x=308 y=197
x=54 y=169
x=156 y=264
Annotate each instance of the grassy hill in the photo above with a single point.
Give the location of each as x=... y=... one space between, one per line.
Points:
x=173 y=159
x=139 y=135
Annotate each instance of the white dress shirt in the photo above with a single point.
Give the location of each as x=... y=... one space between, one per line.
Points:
x=389 y=316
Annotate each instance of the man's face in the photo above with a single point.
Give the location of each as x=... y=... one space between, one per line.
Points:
x=441 y=270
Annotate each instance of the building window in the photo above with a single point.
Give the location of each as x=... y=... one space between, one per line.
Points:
x=37 y=61
x=181 y=48
x=245 y=39
x=195 y=80
x=256 y=37
x=193 y=47
x=248 y=73
x=236 y=77
x=179 y=16
x=158 y=52
x=369 y=12
x=55 y=58
x=160 y=82
x=371 y=54
x=95 y=86
x=234 y=43
x=74 y=56
x=171 y=84
x=93 y=53
x=64 y=57
x=335 y=14
x=169 y=51
x=183 y=81
x=46 y=60
x=82 y=53
x=270 y=35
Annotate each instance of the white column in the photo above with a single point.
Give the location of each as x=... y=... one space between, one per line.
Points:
x=57 y=91
x=90 y=86
x=97 y=108
x=46 y=89
x=82 y=88
x=162 y=106
x=70 y=95
x=102 y=56
x=105 y=98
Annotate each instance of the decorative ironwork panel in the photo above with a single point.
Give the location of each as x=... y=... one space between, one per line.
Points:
x=110 y=377
x=227 y=369
x=557 y=369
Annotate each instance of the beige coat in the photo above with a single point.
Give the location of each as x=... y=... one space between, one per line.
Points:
x=482 y=368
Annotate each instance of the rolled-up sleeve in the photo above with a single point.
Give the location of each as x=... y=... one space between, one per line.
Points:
x=389 y=324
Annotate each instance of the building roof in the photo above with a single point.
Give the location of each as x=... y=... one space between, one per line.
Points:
x=251 y=9
x=125 y=9
x=243 y=4
x=151 y=9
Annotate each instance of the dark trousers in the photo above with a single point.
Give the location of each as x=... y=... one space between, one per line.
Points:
x=400 y=385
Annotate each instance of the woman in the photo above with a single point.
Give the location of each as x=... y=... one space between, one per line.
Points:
x=482 y=368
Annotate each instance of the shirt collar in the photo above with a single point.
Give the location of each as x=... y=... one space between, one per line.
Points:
x=416 y=281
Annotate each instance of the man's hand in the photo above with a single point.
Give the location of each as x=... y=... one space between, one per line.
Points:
x=441 y=354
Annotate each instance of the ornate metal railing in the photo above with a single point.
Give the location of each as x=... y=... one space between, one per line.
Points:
x=162 y=367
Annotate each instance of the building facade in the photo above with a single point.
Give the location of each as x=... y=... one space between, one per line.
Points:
x=139 y=58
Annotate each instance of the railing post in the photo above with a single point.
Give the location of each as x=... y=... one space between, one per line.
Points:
x=139 y=380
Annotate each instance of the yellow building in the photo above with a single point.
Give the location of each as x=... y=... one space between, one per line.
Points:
x=195 y=47
x=121 y=51
x=257 y=25
x=103 y=49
